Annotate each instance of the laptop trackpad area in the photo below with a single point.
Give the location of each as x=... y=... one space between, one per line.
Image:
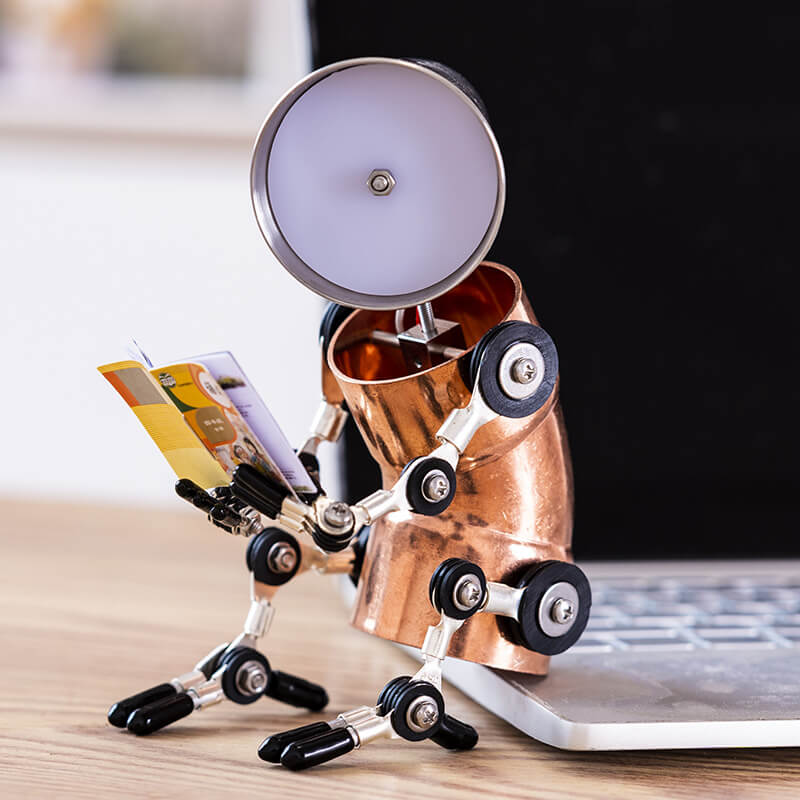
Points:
x=648 y=700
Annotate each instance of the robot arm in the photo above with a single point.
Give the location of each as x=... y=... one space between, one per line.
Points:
x=426 y=486
x=514 y=369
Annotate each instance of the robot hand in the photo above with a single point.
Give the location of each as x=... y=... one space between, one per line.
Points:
x=223 y=509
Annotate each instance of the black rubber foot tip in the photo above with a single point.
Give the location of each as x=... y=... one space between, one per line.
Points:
x=272 y=747
x=317 y=750
x=149 y=719
x=118 y=715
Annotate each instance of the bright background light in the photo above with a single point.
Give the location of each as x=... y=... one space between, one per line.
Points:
x=125 y=211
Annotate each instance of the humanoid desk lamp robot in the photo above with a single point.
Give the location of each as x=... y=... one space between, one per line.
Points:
x=379 y=185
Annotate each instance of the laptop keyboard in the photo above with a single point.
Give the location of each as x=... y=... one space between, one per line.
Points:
x=673 y=614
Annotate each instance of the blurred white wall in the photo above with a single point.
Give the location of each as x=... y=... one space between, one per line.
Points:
x=140 y=227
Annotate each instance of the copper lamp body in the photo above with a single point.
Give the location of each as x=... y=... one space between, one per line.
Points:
x=514 y=504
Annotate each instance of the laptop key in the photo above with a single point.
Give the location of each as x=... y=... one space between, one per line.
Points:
x=653 y=643
x=655 y=621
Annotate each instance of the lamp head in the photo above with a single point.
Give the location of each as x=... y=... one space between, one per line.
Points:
x=378 y=182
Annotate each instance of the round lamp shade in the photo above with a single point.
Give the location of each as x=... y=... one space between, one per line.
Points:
x=377 y=182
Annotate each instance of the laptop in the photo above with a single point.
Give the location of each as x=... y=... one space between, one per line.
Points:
x=651 y=219
x=675 y=655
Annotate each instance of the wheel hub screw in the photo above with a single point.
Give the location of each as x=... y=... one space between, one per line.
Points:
x=282 y=558
x=338 y=515
x=252 y=679
x=523 y=370
x=423 y=714
x=562 y=611
x=381 y=182
x=435 y=486
x=467 y=592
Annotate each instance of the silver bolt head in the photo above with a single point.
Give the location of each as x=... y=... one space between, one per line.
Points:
x=435 y=486
x=562 y=611
x=339 y=515
x=252 y=679
x=423 y=714
x=282 y=558
x=523 y=370
x=467 y=592
x=381 y=182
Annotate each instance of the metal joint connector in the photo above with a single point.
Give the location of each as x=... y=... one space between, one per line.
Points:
x=328 y=422
x=378 y=504
x=437 y=639
x=207 y=694
x=188 y=680
x=463 y=423
x=259 y=618
x=502 y=599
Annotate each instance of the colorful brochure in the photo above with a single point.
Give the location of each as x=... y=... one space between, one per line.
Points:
x=213 y=417
x=236 y=385
x=161 y=419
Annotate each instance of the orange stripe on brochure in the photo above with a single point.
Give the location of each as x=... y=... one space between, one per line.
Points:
x=126 y=393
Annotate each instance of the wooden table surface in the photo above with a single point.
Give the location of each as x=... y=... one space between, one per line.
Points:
x=97 y=603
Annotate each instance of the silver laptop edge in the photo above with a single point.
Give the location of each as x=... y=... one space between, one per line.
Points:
x=685 y=682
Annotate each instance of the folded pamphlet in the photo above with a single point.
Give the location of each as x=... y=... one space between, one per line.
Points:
x=184 y=452
x=213 y=417
x=236 y=385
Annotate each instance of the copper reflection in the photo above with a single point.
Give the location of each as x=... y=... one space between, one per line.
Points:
x=513 y=506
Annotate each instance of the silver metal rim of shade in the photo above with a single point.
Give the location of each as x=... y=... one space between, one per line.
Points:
x=283 y=251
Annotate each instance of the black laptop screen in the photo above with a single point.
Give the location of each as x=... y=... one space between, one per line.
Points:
x=653 y=162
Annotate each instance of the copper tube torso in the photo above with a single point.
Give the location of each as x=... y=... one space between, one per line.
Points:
x=513 y=504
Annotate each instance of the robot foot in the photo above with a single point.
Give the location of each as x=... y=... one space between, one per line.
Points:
x=407 y=709
x=240 y=674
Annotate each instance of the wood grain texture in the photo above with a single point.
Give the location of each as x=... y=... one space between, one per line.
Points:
x=97 y=603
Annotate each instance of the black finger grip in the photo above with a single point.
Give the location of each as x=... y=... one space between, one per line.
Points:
x=118 y=713
x=225 y=515
x=194 y=494
x=455 y=734
x=272 y=747
x=155 y=716
x=296 y=691
x=257 y=490
x=322 y=748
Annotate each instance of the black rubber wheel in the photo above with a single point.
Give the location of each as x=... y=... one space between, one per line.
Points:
x=333 y=317
x=403 y=699
x=416 y=498
x=232 y=662
x=330 y=542
x=390 y=693
x=442 y=586
x=488 y=354
x=536 y=581
x=359 y=546
x=457 y=79
x=258 y=552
